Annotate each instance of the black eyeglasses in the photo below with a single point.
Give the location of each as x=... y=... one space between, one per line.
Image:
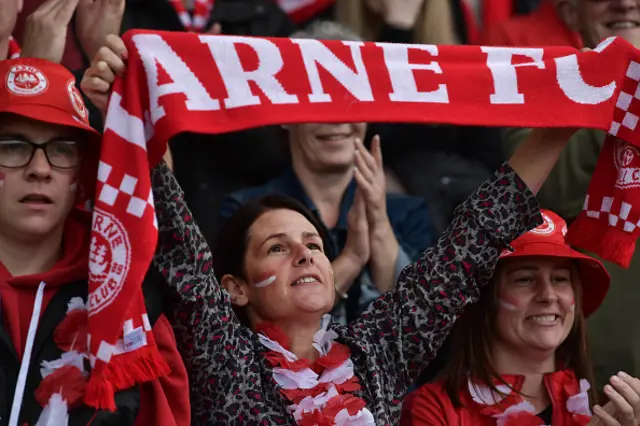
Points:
x=62 y=154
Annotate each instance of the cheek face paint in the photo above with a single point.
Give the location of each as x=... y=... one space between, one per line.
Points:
x=74 y=186
x=509 y=303
x=2 y=176
x=266 y=280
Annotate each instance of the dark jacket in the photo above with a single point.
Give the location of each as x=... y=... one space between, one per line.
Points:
x=45 y=349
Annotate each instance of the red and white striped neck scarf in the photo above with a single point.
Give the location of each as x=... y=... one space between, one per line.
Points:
x=196 y=21
x=298 y=10
x=14 y=49
x=303 y=10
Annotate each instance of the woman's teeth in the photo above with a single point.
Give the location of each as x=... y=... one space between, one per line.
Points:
x=544 y=319
x=333 y=137
x=305 y=280
x=622 y=25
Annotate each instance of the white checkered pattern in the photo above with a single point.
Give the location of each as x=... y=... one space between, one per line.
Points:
x=107 y=350
x=109 y=194
x=625 y=99
x=618 y=213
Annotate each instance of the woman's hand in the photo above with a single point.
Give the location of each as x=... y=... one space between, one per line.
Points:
x=95 y=20
x=355 y=255
x=623 y=408
x=357 y=246
x=370 y=177
x=371 y=180
x=108 y=63
x=46 y=30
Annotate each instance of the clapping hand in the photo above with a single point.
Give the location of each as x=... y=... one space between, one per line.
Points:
x=357 y=246
x=45 y=33
x=95 y=20
x=371 y=180
x=623 y=408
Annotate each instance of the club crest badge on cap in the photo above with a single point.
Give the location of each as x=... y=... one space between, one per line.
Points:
x=76 y=100
x=547 y=227
x=26 y=80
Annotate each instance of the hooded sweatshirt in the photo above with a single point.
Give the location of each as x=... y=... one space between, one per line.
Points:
x=17 y=294
x=163 y=402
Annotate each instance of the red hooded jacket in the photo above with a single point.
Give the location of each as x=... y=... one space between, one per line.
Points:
x=430 y=404
x=163 y=402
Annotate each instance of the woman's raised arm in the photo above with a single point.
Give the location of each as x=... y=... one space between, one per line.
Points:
x=208 y=333
x=407 y=326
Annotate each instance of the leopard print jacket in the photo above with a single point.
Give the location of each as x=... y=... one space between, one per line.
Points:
x=231 y=382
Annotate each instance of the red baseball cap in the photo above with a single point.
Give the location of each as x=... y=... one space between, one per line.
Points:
x=45 y=91
x=548 y=239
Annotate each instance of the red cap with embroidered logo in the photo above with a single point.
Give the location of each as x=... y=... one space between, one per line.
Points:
x=44 y=91
x=548 y=239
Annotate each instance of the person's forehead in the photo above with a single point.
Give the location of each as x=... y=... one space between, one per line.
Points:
x=536 y=262
x=282 y=221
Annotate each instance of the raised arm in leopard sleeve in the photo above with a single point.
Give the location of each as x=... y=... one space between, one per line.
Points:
x=263 y=351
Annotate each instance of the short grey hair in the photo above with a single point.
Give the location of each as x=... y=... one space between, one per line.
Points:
x=327 y=30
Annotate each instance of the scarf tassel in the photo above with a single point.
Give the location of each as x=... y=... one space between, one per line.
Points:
x=618 y=246
x=122 y=373
x=610 y=243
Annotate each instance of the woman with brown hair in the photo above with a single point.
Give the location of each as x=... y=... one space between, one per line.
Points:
x=521 y=354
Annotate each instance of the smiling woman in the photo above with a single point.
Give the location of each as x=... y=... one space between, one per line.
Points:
x=521 y=352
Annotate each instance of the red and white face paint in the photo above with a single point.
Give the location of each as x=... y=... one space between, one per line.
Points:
x=265 y=281
x=2 y=177
x=509 y=303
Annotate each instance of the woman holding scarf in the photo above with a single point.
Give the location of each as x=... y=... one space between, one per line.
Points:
x=255 y=334
x=521 y=355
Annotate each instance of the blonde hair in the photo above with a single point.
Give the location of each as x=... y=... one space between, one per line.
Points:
x=435 y=24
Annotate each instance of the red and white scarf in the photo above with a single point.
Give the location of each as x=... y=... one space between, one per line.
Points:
x=303 y=10
x=298 y=10
x=322 y=392
x=184 y=82
x=14 y=49
x=64 y=380
x=509 y=408
x=197 y=20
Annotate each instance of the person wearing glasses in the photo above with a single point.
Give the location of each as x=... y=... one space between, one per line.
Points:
x=48 y=165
